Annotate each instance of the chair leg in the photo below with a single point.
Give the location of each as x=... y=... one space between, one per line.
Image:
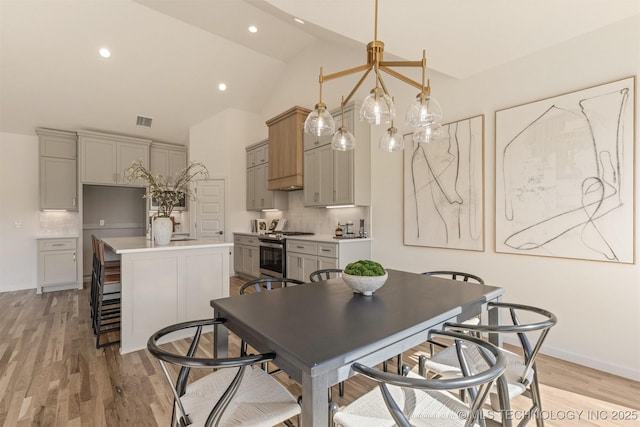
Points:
x=333 y=408
x=341 y=388
x=422 y=361
x=399 y=360
x=535 y=398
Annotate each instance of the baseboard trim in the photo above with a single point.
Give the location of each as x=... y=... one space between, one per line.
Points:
x=579 y=359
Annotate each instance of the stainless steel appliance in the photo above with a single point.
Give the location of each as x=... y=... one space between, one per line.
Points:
x=273 y=256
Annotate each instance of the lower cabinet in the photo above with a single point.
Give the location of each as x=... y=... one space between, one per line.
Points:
x=300 y=266
x=57 y=264
x=246 y=256
x=306 y=256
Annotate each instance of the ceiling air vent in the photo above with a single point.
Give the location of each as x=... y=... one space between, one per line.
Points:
x=144 y=121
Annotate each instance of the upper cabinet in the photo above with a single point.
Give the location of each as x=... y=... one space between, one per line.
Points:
x=333 y=178
x=58 y=169
x=286 y=149
x=167 y=160
x=258 y=196
x=104 y=157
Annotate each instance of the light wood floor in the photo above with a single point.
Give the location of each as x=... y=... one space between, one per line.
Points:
x=52 y=375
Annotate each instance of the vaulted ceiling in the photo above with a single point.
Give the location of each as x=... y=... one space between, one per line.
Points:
x=168 y=56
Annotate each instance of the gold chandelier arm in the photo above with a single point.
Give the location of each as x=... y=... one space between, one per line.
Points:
x=403 y=78
x=346 y=72
x=379 y=79
x=364 y=76
x=401 y=63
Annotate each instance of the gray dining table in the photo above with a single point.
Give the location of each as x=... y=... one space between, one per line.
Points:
x=318 y=330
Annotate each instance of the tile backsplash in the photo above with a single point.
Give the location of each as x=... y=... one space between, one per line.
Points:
x=59 y=224
x=319 y=220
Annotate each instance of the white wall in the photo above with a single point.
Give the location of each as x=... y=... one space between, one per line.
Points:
x=18 y=203
x=219 y=143
x=597 y=303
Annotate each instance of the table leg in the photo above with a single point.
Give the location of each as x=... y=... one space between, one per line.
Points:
x=495 y=319
x=315 y=409
x=220 y=341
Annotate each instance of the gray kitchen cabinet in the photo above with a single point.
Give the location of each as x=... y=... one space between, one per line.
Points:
x=58 y=169
x=319 y=176
x=57 y=264
x=104 y=157
x=246 y=256
x=334 y=177
x=302 y=259
x=167 y=160
x=258 y=196
x=305 y=256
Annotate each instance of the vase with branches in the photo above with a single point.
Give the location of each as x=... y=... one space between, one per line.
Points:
x=166 y=191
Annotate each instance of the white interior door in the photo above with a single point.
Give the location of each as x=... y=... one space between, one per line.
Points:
x=210 y=209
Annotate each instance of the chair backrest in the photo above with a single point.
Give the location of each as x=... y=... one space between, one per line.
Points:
x=188 y=361
x=477 y=383
x=268 y=283
x=456 y=275
x=325 y=274
x=511 y=324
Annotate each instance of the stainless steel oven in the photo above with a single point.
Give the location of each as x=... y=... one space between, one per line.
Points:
x=272 y=257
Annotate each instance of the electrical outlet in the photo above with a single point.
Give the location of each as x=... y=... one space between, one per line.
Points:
x=102 y=223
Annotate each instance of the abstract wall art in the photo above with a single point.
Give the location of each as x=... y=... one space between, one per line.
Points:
x=564 y=175
x=443 y=188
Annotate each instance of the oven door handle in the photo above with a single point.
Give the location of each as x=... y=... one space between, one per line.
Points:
x=272 y=245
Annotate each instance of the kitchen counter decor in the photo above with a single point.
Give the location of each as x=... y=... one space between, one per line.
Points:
x=168 y=191
x=364 y=276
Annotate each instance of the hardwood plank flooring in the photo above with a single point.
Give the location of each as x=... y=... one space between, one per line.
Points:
x=51 y=374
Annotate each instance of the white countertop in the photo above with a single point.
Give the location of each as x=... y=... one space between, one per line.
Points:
x=53 y=236
x=314 y=238
x=123 y=245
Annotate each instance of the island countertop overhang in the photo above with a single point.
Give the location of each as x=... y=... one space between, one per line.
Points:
x=123 y=245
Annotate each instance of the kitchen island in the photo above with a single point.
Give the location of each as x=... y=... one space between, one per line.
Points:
x=166 y=284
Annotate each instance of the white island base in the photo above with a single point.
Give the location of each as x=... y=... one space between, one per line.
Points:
x=164 y=285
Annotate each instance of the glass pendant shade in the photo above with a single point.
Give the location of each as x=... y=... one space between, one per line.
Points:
x=319 y=122
x=427 y=134
x=391 y=141
x=343 y=140
x=424 y=111
x=377 y=108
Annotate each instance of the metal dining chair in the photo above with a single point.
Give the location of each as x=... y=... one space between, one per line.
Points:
x=236 y=392
x=410 y=399
x=325 y=274
x=267 y=284
x=461 y=277
x=521 y=375
x=456 y=275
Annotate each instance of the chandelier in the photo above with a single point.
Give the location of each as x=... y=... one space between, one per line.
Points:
x=423 y=115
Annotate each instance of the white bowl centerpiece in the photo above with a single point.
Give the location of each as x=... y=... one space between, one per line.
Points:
x=364 y=276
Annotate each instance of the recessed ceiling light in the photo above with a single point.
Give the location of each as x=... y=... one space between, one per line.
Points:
x=253 y=29
x=222 y=87
x=298 y=20
x=104 y=52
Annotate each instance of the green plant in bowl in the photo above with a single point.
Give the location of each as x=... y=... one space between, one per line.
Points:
x=364 y=276
x=364 y=267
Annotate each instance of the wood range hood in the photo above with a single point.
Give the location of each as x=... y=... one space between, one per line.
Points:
x=286 y=149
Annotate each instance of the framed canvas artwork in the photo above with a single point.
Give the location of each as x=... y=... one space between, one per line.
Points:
x=565 y=175
x=443 y=188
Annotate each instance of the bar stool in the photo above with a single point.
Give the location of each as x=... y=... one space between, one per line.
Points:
x=112 y=269
x=106 y=319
